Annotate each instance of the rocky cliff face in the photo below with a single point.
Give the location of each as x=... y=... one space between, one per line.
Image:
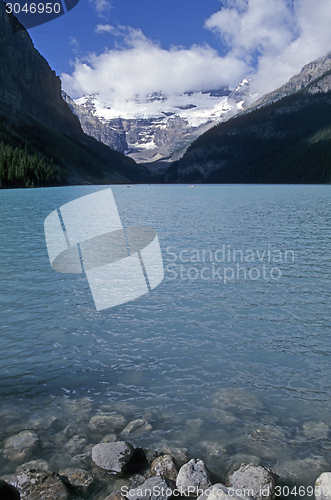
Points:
x=166 y=125
x=28 y=86
x=113 y=135
x=35 y=117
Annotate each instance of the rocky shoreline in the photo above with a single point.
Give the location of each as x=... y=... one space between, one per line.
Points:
x=120 y=471
x=77 y=452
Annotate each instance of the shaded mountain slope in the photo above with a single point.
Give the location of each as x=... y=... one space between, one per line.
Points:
x=38 y=127
x=287 y=141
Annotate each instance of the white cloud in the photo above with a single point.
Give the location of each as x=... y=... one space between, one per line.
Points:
x=102 y=7
x=266 y=40
x=139 y=66
x=75 y=44
x=278 y=37
x=104 y=28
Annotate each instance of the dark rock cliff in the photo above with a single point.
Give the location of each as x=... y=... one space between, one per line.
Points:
x=35 y=120
x=28 y=86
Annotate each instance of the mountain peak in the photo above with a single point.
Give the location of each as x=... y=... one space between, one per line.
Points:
x=159 y=127
x=309 y=74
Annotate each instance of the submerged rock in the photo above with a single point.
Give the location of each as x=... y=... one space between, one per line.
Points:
x=39 y=485
x=193 y=478
x=33 y=464
x=75 y=444
x=291 y=470
x=230 y=398
x=113 y=457
x=317 y=430
x=136 y=428
x=165 y=467
x=77 y=478
x=109 y=438
x=179 y=454
x=107 y=422
x=17 y=448
x=213 y=449
x=254 y=480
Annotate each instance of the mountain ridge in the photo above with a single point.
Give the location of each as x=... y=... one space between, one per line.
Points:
x=158 y=128
x=310 y=73
x=285 y=137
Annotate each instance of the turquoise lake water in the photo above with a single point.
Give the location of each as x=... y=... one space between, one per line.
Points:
x=228 y=359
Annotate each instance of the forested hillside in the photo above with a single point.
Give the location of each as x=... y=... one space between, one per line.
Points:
x=288 y=141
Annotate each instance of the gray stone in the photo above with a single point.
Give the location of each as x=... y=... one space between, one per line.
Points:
x=221 y=492
x=75 y=444
x=256 y=480
x=113 y=457
x=107 y=422
x=136 y=428
x=165 y=467
x=39 y=485
x=18 y=448
x=323 y=486
x=43 y=421
x=154 y=488
x=77 y=478
x=193 y=478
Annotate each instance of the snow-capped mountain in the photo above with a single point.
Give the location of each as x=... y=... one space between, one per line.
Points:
x=284 y=137
x=158 y=128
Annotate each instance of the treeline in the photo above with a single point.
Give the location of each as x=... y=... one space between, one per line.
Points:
x=19 y=167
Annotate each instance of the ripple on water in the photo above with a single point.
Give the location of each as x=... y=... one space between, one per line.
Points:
x=226 y=372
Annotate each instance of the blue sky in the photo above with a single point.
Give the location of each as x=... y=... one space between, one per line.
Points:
x=171 y=22
x=121 y=48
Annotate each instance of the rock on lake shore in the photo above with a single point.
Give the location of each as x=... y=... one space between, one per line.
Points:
x=119 y=471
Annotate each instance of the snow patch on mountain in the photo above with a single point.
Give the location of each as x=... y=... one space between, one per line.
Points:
x=158 y=126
